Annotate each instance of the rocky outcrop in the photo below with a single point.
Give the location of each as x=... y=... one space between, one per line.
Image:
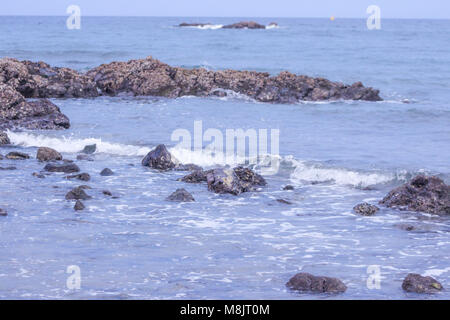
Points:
x=305 y=282
x=421 y=194
x=160 y=158
x=365 y=209
x=48 y=154
x=245 y=25
x=233 y=181
x=197 y=176
x=181 y=195
x=419 y=284
x=4 y=139
x=150 y=77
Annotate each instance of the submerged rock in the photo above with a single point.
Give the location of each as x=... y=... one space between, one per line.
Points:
x=79 y=206
x=4 y=139
x=288 y=188
x=185 y=24
x=181 y=195
x=419 y=284
x=81 y=176
x=306 y=282
x=3 y=212
x=48 y=154
x=421 y=194
x=38 y=175
x=365 y=209
x=89 y=149
x=17 y=156
x=77 y=193
x=106 y=172
x=8 y=168
x=65 y=167
x=160 y=158
x=245 y=25
x=283 y=201
x=107 y=193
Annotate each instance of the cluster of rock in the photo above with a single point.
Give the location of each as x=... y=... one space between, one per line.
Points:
x=238 y=25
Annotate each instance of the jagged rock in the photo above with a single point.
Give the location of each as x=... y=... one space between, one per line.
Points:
x=4 y=139
x=245 y=25
x=419 y=284
x=160 y=158
x=234 y=181
x=89 y=149
x=306 y=282
x=17 y=156
x=422 y=194
x=365 y=209
x=79 y=206
x=3 y=212
x=66 y=167
x=181 y=195
x=288 y=188
x=81 y=176
x=106 y=172
x=197 y=176
x=48 y=154
x=77 y=193
x=249 y=178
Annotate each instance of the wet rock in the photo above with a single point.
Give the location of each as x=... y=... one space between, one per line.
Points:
x=48 y=154
x=181 y=195
x=8 y=168
x=77 y=193
x=3 y=212
x=421 y=194
x=65 y=167
x=283 y=201
x=185 y=24
x=198 y=176
x=4 y=139
x=234 y=181
x=84 y=157
x=245 y=25
x=419 y=284
x=288 y=188
x=17 y=156
x=365 y=209
x=79 y=206
x=81 y=176
x=160 y=158
x=273 y=24
x=107 y=193
x=406 y=227
x=38 y=175
x=306 y=282
x=249 y=178
x=89 y=149
x=106 y=172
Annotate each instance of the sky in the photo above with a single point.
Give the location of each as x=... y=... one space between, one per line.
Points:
x=407 y=9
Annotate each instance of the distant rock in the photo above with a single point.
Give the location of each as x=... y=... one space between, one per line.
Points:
x=89 y=149
x=3 y=212
x=4 y=139
x=84 y=157
x=181 y=195
x=38 y=175
x=65 y=167
x=17 y=156
x=185 y=24
x=107 y=193
x=160 y=158
x=365 y=209
x=421 y=194
x=77 y=193
x=245 y=25
x=288 y=188
x=106 y=172
x=81 y=176
x=79 y=206
x=305 y=282
x=272 y=25
x=8 y=168
x=419 y=284
x=48 y=154
x=284 y=201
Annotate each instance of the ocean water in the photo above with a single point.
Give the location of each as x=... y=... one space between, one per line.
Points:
x=338 y=154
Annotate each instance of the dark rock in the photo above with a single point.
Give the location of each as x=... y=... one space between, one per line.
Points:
x=234 y=181
x=181 y=195
x=106 y=172
x=365 y=209
x=85 y=157
x=79 y=206
x=306 y=282
x=245 y=25
x=48 y=154
x=81 y=176
x=17 y=156
x=195 y=177
x=38 y=175
x=107 y=193
x=66 y=167
x=3 y=212
x=283 y=201
x=8 y=168
x=249 y=177
x=273 y=24
x=418 y=284
x=160 y=158
x=185 y=24
x=406 y=227
x=77 y=193
x=89 y=149
x=421 y=194
x=288 y=187
x=1 y=157
x=4 y=139
x=188 y=167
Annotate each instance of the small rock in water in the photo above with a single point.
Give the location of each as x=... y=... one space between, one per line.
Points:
x=418 y=284
x=181 y=195
x=89 y=149
x=3 y=212
x=195 y=177
x=38 y=175
x=366 y=209
x=406 y=227
x=81 y=176
x=77 y=194
x=160 y=158
x=283 y=201
x=288 y=187
x=79 y=206
x=8 y=168
x=4 y=139
x=17 y=156
x=48 y=154
x=106 y=172
x=107 y=193
x=1 y=157
x=306 y=282
x=66 y=167
x=84 y=157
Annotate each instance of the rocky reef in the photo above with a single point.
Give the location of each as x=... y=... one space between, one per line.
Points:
x=245 y=25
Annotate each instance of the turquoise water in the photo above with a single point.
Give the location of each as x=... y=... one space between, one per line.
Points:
x=139 y=246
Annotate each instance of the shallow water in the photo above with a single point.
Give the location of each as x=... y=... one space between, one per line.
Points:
x=337 y=154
